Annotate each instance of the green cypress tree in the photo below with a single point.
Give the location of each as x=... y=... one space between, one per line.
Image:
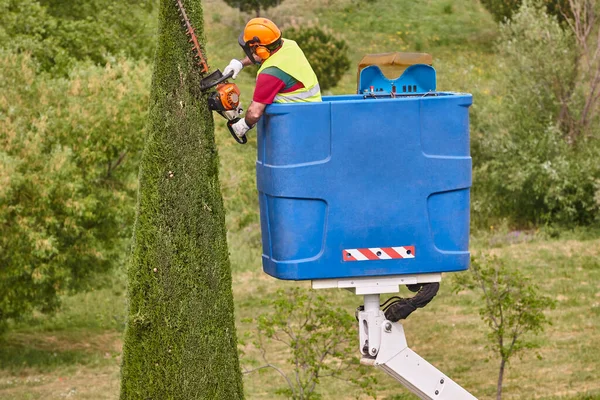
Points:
x=180 y=341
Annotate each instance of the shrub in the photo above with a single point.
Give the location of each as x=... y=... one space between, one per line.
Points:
x=68 y=152
x=254 y=6
x=319 y=341
x=502 y=10
x=542 y=182
x=327 y=55
x=528 y=166
x=511 y=307
x=59 y=33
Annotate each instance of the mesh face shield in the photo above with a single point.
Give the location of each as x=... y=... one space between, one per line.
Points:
x=247 y=46
x=250 y=45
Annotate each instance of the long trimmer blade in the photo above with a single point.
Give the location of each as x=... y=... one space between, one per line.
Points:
x=189 y=31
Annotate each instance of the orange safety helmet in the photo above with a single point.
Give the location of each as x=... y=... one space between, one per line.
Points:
x=260 y=36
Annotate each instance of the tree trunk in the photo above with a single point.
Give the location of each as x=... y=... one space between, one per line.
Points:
x=500 y=378
x=180 y=341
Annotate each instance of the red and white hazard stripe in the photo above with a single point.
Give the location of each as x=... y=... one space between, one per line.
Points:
x=378 y=253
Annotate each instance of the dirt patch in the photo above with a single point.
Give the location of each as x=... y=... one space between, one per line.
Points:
x=85 y=383
x=110 y=341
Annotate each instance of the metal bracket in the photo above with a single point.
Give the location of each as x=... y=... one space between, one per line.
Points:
x=375 y=285
x=369 y=322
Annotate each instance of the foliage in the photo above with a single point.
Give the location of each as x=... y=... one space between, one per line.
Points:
x=58 y=33
x=503 y=10
x=327 y=55
x=530 y=187
x=68 y=150
x=465 y=61
x=319 y=339
x=180 y=341
x=541 y=71
x=511 y=307
x=583 y=120
x=529 y=165
x=69 y=145
x=253 y=5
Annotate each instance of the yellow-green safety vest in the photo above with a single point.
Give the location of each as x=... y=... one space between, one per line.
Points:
x=291 y=60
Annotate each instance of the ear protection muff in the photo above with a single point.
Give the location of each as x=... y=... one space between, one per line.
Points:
x=262 y=52
x=253 y=46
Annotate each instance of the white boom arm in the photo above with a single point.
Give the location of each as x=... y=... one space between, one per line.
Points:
x=383 y=343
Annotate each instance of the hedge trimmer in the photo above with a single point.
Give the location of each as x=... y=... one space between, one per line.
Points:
x=225 y=98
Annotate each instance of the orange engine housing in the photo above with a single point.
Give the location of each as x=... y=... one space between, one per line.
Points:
x=229 y=96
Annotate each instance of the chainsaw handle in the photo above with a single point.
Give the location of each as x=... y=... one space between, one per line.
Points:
x=212 y=83
x=223 y=78
x=240 y=140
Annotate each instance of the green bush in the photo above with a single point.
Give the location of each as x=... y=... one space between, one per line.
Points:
x=502 y=10
x=68 y=160
x=59 y=33
x=530 y=187
x=527 y=168
x=327 y=55
x=512 y=308
x=317 y=339
x=254 y=6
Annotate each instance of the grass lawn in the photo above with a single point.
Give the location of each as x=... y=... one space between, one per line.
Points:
x=76 y=354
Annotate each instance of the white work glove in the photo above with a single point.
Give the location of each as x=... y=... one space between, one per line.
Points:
x=240 y=128
x=235 y=66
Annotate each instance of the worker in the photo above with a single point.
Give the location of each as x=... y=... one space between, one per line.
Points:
x=284 y=75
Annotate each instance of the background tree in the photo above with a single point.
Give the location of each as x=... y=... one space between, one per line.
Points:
x=72 y=112
x=327 y=55
x=540 y=164
x=583 y=19
x=180 y=340
x=68 y=151
x=319 y=338
x=59 y=33
x=511 y=307
x=503 y=10
x=254 y=6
